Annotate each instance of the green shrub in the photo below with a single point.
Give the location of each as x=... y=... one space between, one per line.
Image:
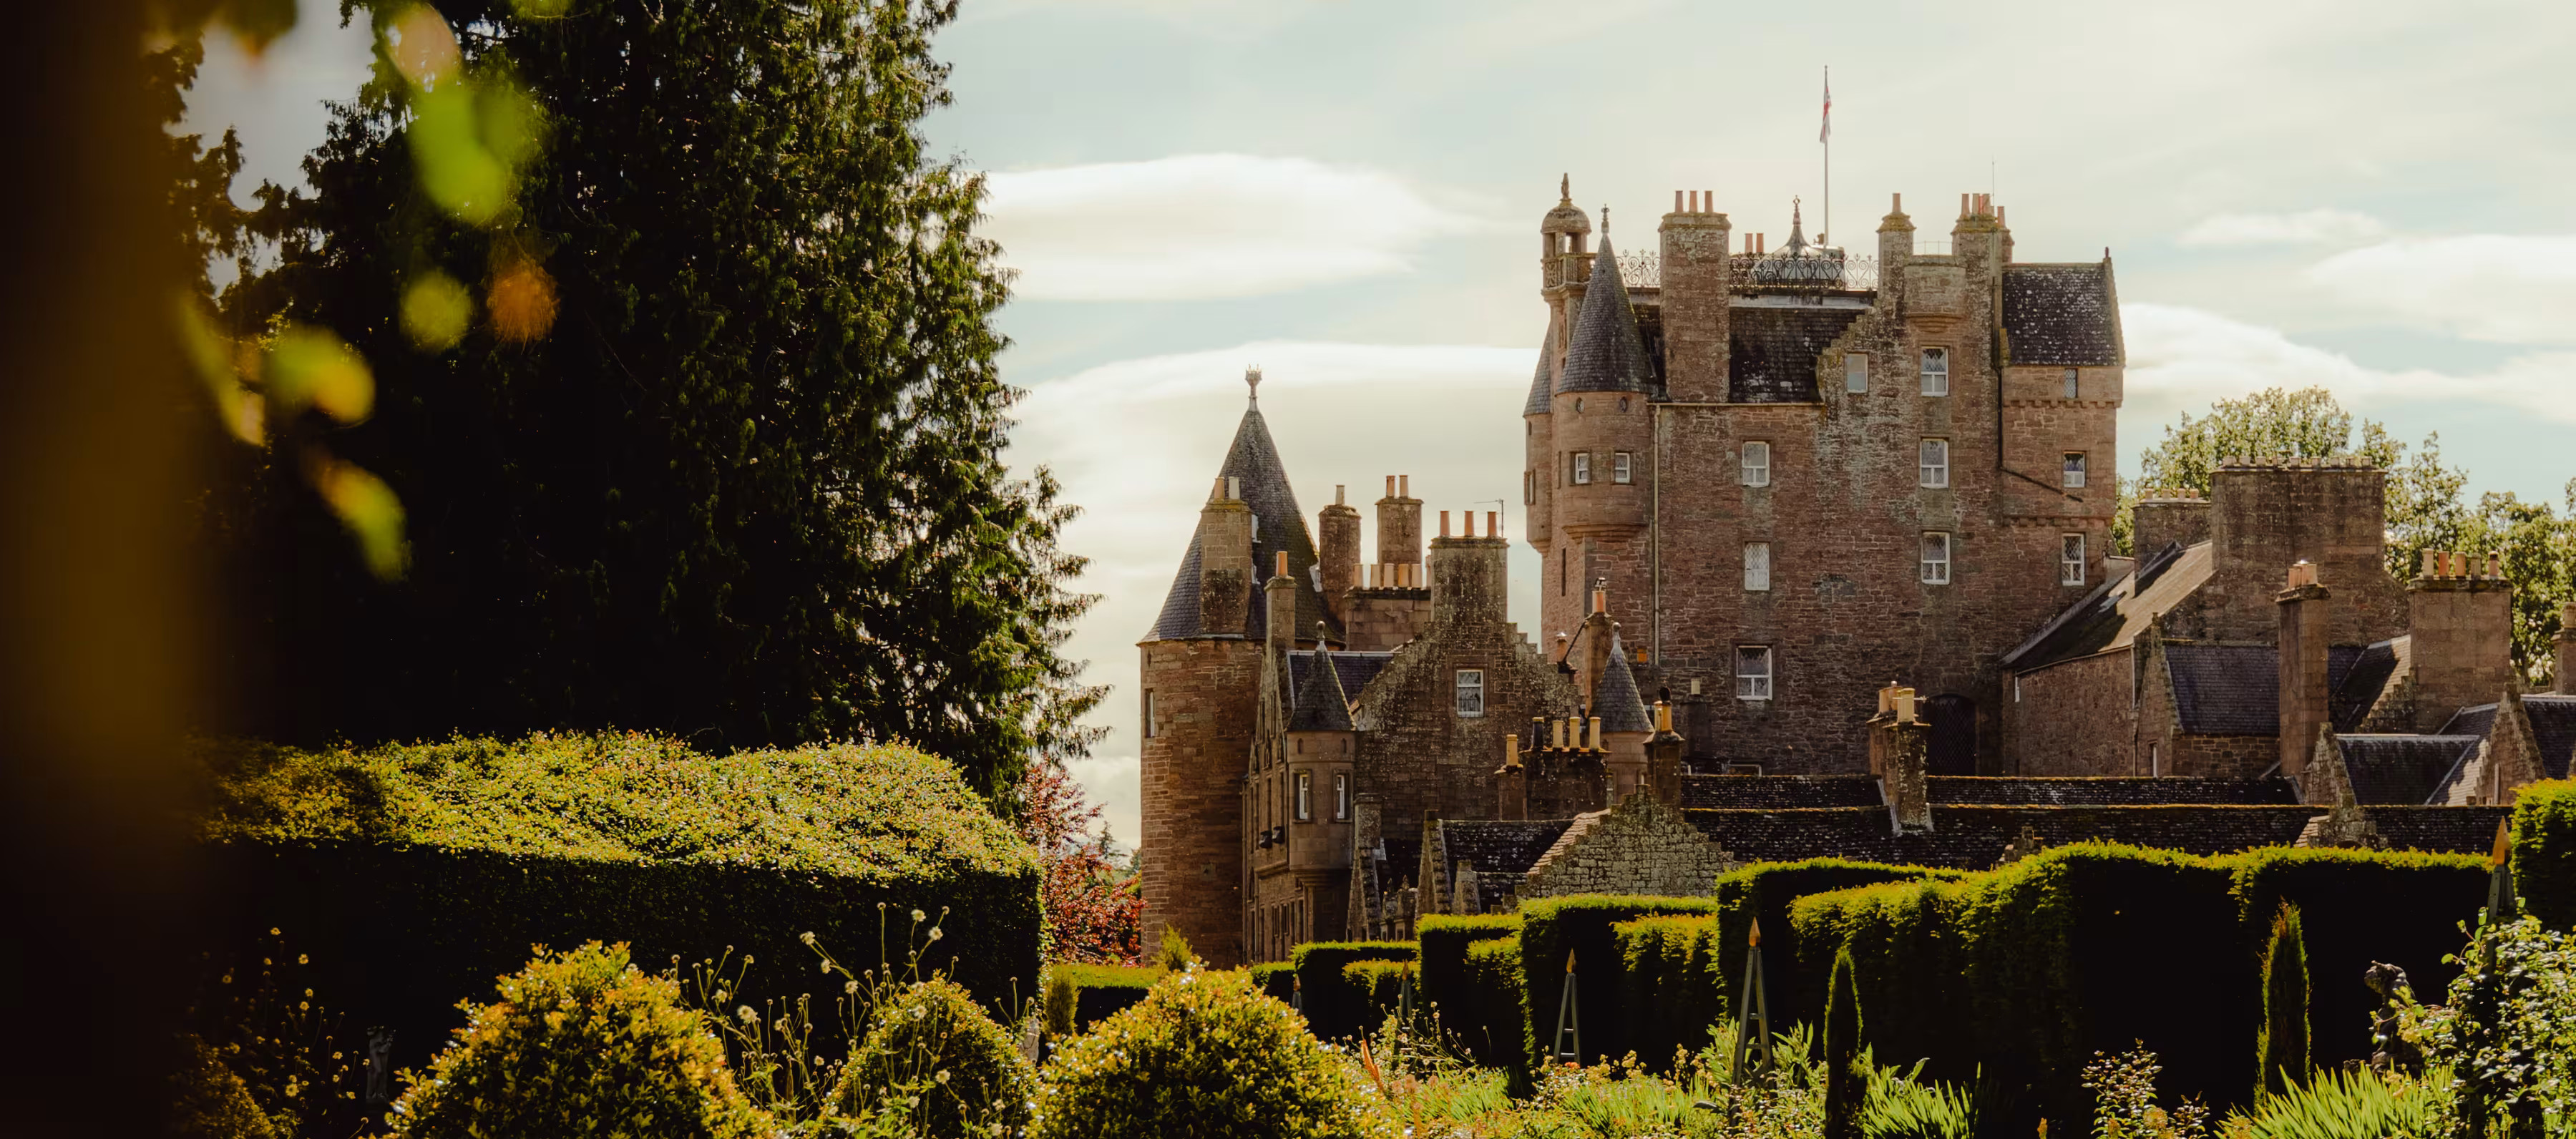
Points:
x=209 y=1101
x=416 y=873
x=2281 y=1052
x=1670 y=987
x=2544 y=851
x=1334 y=1009
x=1442 y=941
x=2358 y=1104
x=1580 y=925
x=1276 y=980
x=970 y=1075
x=1492 y=1006
x=1203 y=1055
x=1078 y=996
x=1380 y=986
x=579 y=1043
x=2357 y=907
x=1767 y=891
x=2506 y=1032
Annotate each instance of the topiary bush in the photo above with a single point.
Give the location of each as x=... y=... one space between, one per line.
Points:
x=1205 y=1054
x=970 y=1076
x=1488 y=1015
x=1581 y=925
x=2544 y=851
x=579 y=1043
x=2281 y=1051
x=1335 y=1010
x=1441 y=941
x=1078 y=996
x=1670 y=987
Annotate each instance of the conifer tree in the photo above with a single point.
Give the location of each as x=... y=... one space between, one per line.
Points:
x=2283 y=1048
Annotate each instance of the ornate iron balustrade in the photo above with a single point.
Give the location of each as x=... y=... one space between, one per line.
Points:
x=1765 y=271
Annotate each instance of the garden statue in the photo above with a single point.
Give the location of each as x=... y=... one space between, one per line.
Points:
x=2389 y=1049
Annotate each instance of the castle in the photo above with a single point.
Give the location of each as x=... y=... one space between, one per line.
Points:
x=1778 y=493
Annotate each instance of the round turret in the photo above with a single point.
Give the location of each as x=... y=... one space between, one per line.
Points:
x=1565 y=228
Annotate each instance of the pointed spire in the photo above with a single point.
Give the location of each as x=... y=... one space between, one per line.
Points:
x=1252 y=461
x=1321 y=705
x=1618 y=703
x=1797 y=231
x=1606 y=355
x=1543 y=384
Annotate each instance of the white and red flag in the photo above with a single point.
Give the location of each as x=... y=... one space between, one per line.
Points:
x=1827 y=131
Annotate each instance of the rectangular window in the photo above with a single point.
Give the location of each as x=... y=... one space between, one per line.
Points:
x=1932 y=463
x=1471 y=692
x=2070 y=383
x=1855 y=372
x=1529 y=488
x=1305 y=796
x=1757 y=567
x=1622 y=470
x=1936 y=558
x=1752 y=672
x=2070 y=560
x=1341 y=796
x=1936 y=371
x=1582 y=468
x=1149 y=713
x=2074 y=469
x=1757 y=463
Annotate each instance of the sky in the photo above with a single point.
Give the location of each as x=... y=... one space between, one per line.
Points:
x=2363 y=195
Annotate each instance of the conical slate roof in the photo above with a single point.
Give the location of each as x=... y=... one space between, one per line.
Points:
x=1607 y=355
x=1617 y=703
x=1253 y=461
x=1543 y=385
x=1321 y=706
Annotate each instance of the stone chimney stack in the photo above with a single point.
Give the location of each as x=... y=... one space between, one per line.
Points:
x=1900 y=744
x=2460 y=620
x=1697 y=284
x=1664 y=758
x=1225 y=560
x=1399 y=532
x=1895 y=248
x=1339 y=554
x=2169 y=515
x=2305 y=617
x=1281 y=591
x=1468 y=577
x=2567 y=651
x=1511 y=780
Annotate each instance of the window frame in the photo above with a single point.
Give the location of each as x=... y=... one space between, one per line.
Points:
x=1581 y=471
x=2074 y=384
x=1751 y=473
x=1460 y=686
x=1855 y=373
x=1341 y=796
x=1149 y=714
x=1305 y=796
x=1756 y=686
x=2072 y=563
x=1623 y=468
x=1757 y=558
x=1529 y=488
x=1929 y=475
x=2072 y=470
x=1926 y=374
x=1925 y=564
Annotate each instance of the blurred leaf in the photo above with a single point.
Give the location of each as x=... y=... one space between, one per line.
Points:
x=522 y=301
x=541 y=9
x=435 y=309
x=310 y=366
x=422 y=46
x=212 y=354
x=368 y=508
x=511 y=121
x=456 y=169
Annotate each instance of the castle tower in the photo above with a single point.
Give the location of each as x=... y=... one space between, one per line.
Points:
x=1201 y=668
x=1564 y=255
x=1538 y=489
x=1601 y=431
x=1625 y=726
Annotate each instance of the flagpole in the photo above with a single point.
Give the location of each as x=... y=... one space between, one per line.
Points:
x=1826 y=233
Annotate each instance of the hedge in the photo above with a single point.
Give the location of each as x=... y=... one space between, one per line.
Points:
x=1443 y=940
x=1580 y=924
x=1671 y=985
x=1380 y=986
x=2028 y=969
x=2544 y=852
x=1277 y=980
x=1489 y=1014
x=415 y=874
x=1334 y=1009
x=1078 y=996
x=1766 y=891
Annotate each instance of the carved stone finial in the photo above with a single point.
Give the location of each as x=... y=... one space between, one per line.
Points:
x=1252 y=379
x=1565 y=189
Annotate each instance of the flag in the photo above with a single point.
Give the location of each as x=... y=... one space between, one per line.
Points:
x=1828 y=130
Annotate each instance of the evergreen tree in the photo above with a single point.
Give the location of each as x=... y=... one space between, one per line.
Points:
x=2283 y=1046
x=719 y=450
x=1846 y=1071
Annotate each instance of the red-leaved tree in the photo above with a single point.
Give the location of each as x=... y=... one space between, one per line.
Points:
x=1093 y=906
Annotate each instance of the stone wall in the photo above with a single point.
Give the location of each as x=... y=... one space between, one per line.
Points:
x=1637 y=847
x=2267 y=516
x=2075 y=717
x=1203 y=695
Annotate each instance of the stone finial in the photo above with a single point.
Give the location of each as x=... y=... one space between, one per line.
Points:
x=1565 y=189
x=1252 y=380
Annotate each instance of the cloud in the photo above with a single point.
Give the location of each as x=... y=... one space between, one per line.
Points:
x=2182 y=358
x=2312 y=227
x=2493 y=287
x=1207 y=225
x=1135 y=442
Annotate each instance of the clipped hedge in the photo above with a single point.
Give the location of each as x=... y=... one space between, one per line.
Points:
x=1443 y=940
x=1767 y=891
x=1380 y=985
x=1492 y=1005
x=2029 y=969
x=414 y=874
x=1078 y=996
x=1581 y=925
x=2544 y=852
x=1276 y=980
x=1671 y=987
x=1334 y=1009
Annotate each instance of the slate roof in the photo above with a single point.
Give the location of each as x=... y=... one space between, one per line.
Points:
x=1503 y=850
x=1354 y=670
x=1772 y=349
x=1606 y=355
x=2062 y=314
x=1320 y=705
x=2403 y=770
x=1253 y=460
x=2553 y=727
x=2075 y=791
x=2442 y=830
x=2226 y=690
x=1779 y=791
x=1543 y=384
x=2119 y=609
x=2364 y=678
x=1618 y=703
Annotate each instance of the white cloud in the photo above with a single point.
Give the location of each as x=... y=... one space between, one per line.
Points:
x=1134 y=443
x=2311 y=227
x=2493 y=287
x=1207 y=225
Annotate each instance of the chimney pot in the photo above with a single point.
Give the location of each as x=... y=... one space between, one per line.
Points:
x=1896 y=203
x=1234 y=488
x=1677 y=201
x=1963 y=205
x=1283 y=564
x=1337 y=494
x=1490 y=529
x=1390 y=486
x=1404 y=486
x=1444 y=523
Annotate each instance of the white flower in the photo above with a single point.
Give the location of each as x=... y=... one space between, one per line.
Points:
x=917 y=915
x=934 y=933
x=808 y=937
